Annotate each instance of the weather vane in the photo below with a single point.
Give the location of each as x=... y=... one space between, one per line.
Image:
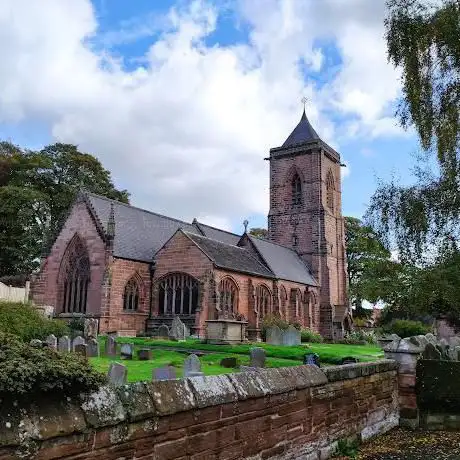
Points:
x=304 y=101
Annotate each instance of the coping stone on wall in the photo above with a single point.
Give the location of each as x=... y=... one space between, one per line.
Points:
x=213 y=390
x=103 y=408
x=354 y=371
x=172 y=396
x=137 y=401
x=304 y=376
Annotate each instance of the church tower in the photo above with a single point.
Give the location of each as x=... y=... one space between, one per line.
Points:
x=306 y=215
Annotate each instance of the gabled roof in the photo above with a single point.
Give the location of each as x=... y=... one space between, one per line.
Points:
x=217 y=233
x=302 y=133
x=230 y=257
x=284 y=262
x=139 y=233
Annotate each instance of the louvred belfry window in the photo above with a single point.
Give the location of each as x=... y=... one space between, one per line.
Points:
x=330 y=188
x=296 y=190
x=178 y=294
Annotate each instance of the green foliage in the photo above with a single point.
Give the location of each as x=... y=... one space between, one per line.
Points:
x=360 y=336
x=28 y=323
x=307 y=335
x=347 y=448
x=406 y=328
x=76 y=323
x=28 y=372
x=369 y=264
x=36 y=192
x=259 y=232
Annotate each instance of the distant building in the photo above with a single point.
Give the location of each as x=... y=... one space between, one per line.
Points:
x=135 y=269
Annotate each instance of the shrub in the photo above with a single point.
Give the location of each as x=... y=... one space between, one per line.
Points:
x=360 y=337
x=28 y=372
x=308 y=335
x=360 y=322
x=76 y=325
x=28 y=323
x=273 y=320
x=406 y=328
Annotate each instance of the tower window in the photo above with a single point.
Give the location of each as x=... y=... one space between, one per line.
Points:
x=330 y=188
x=296 y=191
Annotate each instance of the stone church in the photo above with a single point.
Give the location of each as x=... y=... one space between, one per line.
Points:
x=134 y=269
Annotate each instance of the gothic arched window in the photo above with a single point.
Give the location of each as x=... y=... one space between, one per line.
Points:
x=296 y=185
x=283 y=302
x=228 y=296
x=330 y=188
x=178 y=295
x=263 y=301
x=76 y=277
x=131 y=296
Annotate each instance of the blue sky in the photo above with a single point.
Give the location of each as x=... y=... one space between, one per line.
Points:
x=182 y=100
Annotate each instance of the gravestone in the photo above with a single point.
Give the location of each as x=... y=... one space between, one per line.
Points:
x=64 y=344
x=257 y=357
x=163 y=332
x=117 y=374
x=111 y=346
x=192 y=366
x=92 y=348
x=127 y=351
x=90 y=328
x=274 y=336
x=291 y=336
x=164 y=373
x=79 y=340
x=230 y=362
x=144 y=354
x=431 y=352
x=431 y=338
x=36 y=343
x=51 y=340
x=312 y=359
x=178 y=329
x=454 y=341
x=81 y=349
x=348 y=360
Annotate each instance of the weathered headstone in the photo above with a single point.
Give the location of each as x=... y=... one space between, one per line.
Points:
x=163 y=332
x=117 y=374
x=454 y=341
x=127 y=351
x=257 y=357
x=91 y=328
x=431 y=338
x=178 y=329
x=144 y=354
x=230 y=362
x=51 y=340
x=92 y=350
x=111 y=346
x=81 y=349
x=64 y=344
x=291 y=336
x=164 y=373
x=36 y=343
x=431 y=352
x=312 y=359
x=274 y=336
x=79 y=340
x=348 y=360
x=192 y=366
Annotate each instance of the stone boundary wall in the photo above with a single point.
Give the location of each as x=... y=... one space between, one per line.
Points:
x=290 y=413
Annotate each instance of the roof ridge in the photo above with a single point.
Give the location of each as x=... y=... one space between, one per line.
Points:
x=212 y=239
x=138 y=208
x=215 y=228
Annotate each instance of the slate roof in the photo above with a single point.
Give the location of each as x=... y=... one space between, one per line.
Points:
x=302 y=133
x=139 y=234
x=284 y=262
x=218 y=234
x=230 y=256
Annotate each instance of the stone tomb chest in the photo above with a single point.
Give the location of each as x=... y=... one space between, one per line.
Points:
x=225 y=331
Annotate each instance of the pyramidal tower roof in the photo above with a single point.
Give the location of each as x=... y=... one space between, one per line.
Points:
x=302 y=133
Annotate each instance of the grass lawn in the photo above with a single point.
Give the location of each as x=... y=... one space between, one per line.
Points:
x=142 y=370
x=328 y=353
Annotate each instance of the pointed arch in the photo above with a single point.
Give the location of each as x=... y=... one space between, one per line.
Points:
x=132 y=293
x=178 y=294
x=283 y=302
x=296 y=191
x=74 y=277
x=228 y=296
x=330 y=190
x=263 y=301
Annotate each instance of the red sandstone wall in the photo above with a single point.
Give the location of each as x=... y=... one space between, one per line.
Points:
x=45 y=290
x=115 y=318
x=298 y=412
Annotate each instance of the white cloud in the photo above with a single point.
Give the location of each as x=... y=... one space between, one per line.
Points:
x=187 y=130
